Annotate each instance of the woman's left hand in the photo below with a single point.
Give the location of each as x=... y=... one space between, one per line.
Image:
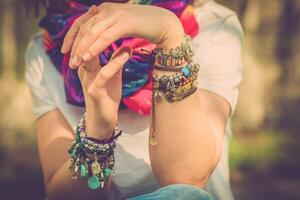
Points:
x=112 y=21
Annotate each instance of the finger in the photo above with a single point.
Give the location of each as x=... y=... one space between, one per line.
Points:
x=113 y=33
x=114 y=66
x=72 y=32
x=86 y=75
x=93 y=33
x=75 y=61
x=92 y=65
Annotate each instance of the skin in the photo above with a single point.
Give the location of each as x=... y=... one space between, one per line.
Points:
x=187 y=152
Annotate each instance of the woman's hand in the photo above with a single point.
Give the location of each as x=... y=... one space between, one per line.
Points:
x=111 y=21
x=102 y=87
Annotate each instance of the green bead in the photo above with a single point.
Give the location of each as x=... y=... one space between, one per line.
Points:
x=94 y=182
x=72 y=148
x=107 y=172
x=83 y=170
x=77 y=137
x=73 y=153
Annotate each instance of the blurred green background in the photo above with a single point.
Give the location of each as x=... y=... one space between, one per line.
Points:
x=264 y=152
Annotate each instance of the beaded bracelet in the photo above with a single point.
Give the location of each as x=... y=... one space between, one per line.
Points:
x=177 y=56
x=175 y=87
x=92 y=158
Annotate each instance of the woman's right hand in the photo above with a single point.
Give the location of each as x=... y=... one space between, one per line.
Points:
x=102 y=88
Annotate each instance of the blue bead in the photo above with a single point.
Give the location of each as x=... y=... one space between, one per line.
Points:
x=185 y=71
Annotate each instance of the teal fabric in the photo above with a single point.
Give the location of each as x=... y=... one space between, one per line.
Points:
x=176 y=192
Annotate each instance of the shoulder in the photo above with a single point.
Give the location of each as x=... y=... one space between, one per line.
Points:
x=217 y=21
x=35 y=46
x=38 y=64
x=35 y=57
x=218 y=50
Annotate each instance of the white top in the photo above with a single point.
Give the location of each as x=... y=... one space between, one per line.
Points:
x=217 y=50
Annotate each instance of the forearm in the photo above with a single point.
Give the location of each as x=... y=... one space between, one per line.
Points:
x=54 y=137
x=189 y=136
x=62 y=186
x=186 y=148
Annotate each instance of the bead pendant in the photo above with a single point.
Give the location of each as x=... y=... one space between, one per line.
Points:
x=96 y=169
x=157 y=96
x=107 y=172
x=83 y=170
x=94 y=182
x=153 y=140
x=76 y=168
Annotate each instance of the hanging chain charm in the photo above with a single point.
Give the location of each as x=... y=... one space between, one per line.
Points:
x=153 y=137
x=176 y=86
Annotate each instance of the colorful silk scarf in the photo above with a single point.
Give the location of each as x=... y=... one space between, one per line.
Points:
x=136 y=74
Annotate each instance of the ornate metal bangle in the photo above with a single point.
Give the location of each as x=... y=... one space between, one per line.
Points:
x=92 y=157
x=170 y=69
x=177 y=56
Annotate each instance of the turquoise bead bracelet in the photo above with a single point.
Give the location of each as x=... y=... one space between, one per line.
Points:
x=92 y=158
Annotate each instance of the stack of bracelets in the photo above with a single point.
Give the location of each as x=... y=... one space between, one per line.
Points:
x=176 y=86
x=92 y=158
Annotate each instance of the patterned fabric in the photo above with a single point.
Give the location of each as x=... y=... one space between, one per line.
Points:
x=136 y=74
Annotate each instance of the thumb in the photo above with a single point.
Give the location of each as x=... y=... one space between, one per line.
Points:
x=118 y=59
x=119 y=51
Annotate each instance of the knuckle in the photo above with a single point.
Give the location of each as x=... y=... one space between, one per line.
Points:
x=77 y=22
x=91 y=33
x=91 y=92
x=104 y=5
x=106 y=36
x=102 y=76
x=122 y=13
x=97 y=18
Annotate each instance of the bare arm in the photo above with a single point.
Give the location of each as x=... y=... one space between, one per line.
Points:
x=190 y=132
x=54 y=136
x=190 y=135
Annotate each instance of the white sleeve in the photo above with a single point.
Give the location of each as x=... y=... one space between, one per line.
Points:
x=218 y=49
x=42 y=101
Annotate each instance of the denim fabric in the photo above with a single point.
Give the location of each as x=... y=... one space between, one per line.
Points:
x=176 y=192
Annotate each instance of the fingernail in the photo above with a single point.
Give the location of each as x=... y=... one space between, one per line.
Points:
x=70 y=61
x=124 y=55
x=87 y=56
x=92 y=9
x=75 y=61
x=62 y=50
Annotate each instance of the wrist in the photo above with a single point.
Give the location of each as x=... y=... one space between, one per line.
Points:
x=171 y=41
x=99 y=128
x=174 y=35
